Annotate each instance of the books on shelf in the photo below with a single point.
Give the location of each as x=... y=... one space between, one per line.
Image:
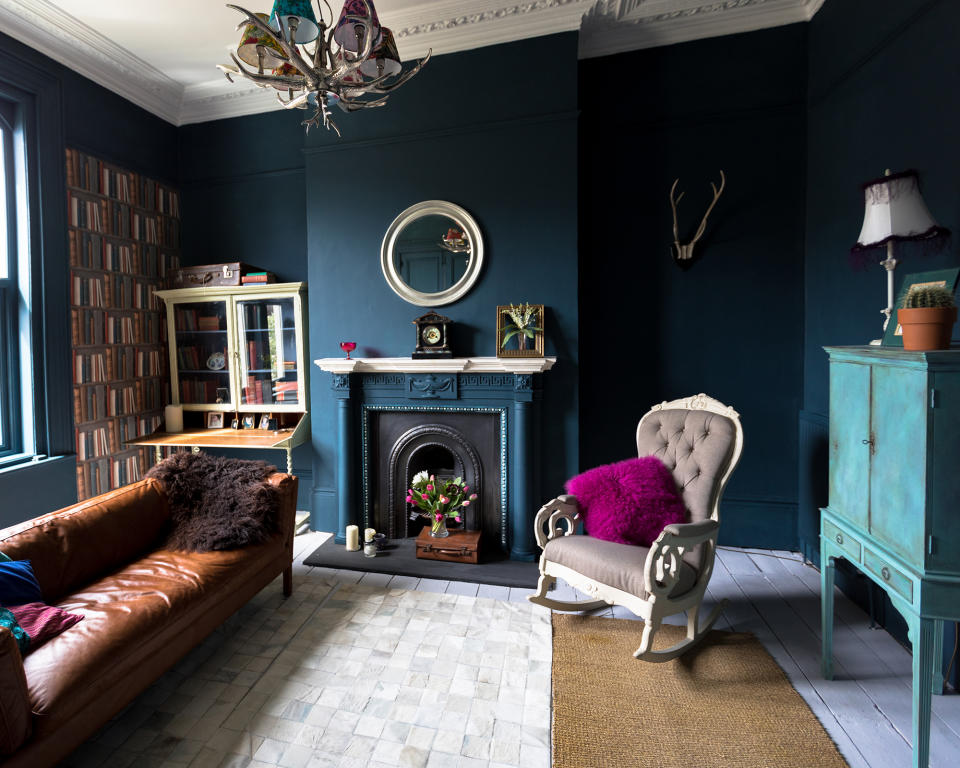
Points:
x=257 y=277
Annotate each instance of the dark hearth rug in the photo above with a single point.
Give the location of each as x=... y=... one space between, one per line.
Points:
x=400 y=559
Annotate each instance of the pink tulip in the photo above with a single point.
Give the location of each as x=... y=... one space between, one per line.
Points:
x=466 y=488
x=424 y=496
x=431 y=478
x=466 y=503
x=429 y=487
x=457 y=519
x=444 y=500
x=409 y=499
x=473 y=496
x=439 y=516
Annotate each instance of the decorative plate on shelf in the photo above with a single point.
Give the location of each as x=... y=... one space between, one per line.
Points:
x=216 y=361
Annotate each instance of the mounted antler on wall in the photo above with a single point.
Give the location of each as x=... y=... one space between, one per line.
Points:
x=684 y=251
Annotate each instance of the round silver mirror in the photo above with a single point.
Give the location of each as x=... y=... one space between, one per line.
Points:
x=432 y=253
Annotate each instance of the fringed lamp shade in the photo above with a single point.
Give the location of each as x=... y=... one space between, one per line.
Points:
x=287 y=13
x=354 y=18
x=385 y=59
x=895 y=210
x=273 y=54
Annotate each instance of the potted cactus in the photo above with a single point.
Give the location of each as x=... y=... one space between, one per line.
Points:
x=927 y=317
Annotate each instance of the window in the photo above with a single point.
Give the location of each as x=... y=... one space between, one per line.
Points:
x=11 y=426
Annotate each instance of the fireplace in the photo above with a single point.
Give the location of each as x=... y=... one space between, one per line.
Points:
x=469 y=443
x=476 y=418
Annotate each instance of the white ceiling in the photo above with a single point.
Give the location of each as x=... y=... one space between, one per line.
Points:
x=161 y=55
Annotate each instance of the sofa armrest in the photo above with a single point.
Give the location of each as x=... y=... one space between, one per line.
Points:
x=15 y=716
x=286 y=486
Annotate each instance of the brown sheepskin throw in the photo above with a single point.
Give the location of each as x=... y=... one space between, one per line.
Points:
x=217 y=502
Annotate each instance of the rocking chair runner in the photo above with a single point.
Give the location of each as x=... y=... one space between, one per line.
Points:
x=699 y=439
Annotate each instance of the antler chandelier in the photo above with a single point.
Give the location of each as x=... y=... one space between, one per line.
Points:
x=365 y=64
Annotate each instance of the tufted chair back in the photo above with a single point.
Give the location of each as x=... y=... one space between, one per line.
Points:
x=699 y=446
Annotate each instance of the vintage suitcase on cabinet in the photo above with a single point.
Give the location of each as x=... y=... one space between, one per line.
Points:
x=458 y=547
x=210 y=275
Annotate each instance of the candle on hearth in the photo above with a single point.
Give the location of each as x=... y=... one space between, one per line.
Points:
x=368 y=534
x=173 y=418
x=353 y=538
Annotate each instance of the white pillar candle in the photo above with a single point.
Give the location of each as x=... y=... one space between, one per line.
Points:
x=368 y=534
x=173 y=418
x=353 y=538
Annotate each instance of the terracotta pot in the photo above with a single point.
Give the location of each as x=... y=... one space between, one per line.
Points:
x=927 y=328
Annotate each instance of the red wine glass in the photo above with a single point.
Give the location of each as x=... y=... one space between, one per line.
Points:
x=348 y=347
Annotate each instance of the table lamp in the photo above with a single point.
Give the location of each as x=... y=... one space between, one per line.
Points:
x=894 y=211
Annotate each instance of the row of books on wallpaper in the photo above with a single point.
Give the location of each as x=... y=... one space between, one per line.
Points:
x=100 y=475
x=117 y=291
x=99 y=326
x=102 y=401
x=116 y=362
x=104 y=439
x=121 y=220
x=89 y=250
x=93 y=175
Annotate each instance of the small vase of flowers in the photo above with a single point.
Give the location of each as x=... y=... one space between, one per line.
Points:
x=437 y=500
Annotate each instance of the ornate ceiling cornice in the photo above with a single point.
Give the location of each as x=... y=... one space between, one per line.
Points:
x=46 y=28
x=446 y=26
x=615 y=26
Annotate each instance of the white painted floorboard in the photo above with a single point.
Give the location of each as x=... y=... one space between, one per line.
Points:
x=866 y=709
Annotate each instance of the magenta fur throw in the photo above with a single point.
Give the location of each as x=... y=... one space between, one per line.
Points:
x=629 y=502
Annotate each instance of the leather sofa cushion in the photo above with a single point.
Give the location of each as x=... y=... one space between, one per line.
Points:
x=71 y=547
x=620 y=566
x=127 y=616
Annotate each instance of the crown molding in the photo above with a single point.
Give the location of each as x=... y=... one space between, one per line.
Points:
x=220 y=99
x=445 y=26
x=46 y=28
x=615 y=26
x=455 y=25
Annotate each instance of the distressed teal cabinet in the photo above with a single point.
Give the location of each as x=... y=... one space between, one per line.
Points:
x=894 y=491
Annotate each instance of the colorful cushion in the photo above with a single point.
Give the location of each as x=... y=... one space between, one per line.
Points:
x=8 y=620
x=628 y=502
x=42 y=622
x=18 y=585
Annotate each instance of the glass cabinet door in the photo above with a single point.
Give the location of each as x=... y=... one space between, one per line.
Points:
x=200 y=342
x=268 y=363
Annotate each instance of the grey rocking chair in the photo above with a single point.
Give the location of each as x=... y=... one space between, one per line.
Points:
x=700 y=440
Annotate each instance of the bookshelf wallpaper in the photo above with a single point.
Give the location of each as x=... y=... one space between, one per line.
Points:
x=124 y=233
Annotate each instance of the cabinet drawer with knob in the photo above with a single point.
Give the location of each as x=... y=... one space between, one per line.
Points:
x=889 y=575
x=843 y=540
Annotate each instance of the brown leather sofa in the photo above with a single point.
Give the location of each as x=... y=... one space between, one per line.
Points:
x=144 y=608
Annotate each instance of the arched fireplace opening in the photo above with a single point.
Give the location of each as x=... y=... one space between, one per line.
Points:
x=444 y=444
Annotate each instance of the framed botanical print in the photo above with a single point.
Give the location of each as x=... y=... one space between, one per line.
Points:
x=520 y=330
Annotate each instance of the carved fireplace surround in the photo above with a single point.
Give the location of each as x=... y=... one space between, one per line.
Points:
x=446 y=393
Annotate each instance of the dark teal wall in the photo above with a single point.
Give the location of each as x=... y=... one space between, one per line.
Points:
x=71 y=111
x=882 y=82
x=729 y=325
x=483 y=129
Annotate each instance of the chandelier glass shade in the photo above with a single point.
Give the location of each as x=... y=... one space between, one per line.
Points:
x=353 y=64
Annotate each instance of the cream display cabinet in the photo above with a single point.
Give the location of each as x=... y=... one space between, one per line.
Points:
x=237 y=367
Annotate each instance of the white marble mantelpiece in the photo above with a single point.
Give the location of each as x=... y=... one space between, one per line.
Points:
x=521 y=365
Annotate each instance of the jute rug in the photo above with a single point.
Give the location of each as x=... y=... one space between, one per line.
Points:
x=724 y=704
